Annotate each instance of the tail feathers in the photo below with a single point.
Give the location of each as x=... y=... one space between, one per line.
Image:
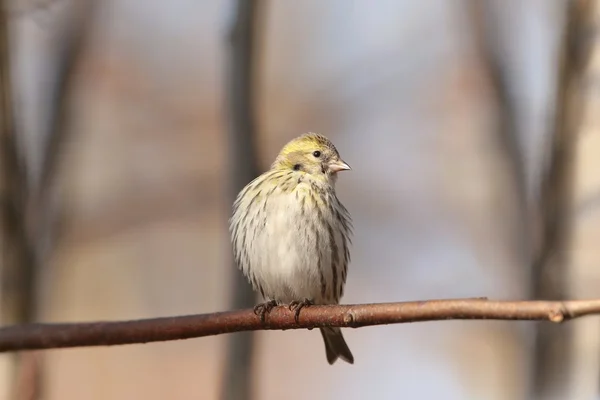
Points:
x=335 y=346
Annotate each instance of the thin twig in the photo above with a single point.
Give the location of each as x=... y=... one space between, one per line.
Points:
x=51 y=336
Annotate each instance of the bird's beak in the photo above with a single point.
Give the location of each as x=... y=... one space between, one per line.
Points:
x=339 y=165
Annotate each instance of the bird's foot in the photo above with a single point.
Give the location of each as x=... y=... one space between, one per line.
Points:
x=298 y=305
x=263 y=309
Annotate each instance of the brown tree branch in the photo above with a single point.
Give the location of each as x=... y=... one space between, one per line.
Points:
x=52 y=336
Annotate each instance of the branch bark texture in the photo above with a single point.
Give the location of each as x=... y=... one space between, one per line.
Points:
x=51 y=336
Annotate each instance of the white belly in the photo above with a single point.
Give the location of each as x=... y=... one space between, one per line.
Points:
x=289 y=249
x=291 y=252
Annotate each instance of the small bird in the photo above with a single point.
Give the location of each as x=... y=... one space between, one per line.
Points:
x=291 y=234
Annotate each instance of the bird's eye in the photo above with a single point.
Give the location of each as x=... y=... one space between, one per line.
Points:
x=317 y=153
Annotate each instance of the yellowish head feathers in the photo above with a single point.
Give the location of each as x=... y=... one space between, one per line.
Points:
x=300 y=152
x=308 y=142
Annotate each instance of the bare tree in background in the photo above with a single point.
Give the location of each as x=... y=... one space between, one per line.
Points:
x=237 y=379
x=546 y=220
x=487 y=35
x=30 y=209
x=19 y=266
x=46 y=209
x=550 y=268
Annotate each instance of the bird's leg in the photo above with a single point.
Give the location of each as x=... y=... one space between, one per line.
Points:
x=263 y=309
x=298 y=305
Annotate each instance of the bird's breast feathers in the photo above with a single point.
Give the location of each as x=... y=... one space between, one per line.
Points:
x=292 y=236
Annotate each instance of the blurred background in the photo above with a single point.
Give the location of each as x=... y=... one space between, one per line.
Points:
x=127 y=126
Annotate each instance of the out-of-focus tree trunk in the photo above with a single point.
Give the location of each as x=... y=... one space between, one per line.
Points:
x=243 y=163
x=551 y=274
x=30 y=209
x=18 y=264
x=16 y=254
x=488 y=39
x=584 y=256
x=45 y=204
x=546 y=215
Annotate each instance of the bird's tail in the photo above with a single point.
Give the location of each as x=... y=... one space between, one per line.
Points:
x=335 y=345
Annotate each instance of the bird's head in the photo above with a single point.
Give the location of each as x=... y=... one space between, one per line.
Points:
x=313 y=154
